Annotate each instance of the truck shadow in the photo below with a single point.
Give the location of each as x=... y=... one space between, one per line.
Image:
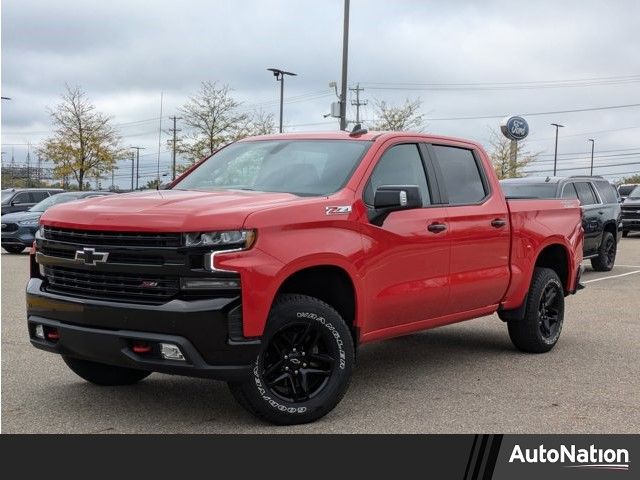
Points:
x=164 y=403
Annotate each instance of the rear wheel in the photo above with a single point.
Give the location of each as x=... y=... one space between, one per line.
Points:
x=14 y=248
x=105 y=375
x=539 y=330
x=606 y=254
x=305 y=364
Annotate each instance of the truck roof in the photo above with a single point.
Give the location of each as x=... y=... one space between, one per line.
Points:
x=342 y=135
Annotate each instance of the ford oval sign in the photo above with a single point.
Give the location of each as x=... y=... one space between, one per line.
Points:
x=515 y=128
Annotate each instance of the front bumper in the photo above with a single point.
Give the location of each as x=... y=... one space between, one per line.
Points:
x=24 y=236
x=630 y=224
x=104 y=332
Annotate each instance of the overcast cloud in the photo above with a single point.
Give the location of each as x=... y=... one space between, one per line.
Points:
x=124 y=53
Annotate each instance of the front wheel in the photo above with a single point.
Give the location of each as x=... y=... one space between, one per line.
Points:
x=305 y=364
x=539 y=330
x=625 y=233
x=105 y=375
x=606 y=254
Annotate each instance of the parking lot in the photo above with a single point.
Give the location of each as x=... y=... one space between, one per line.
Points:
x=460 y=378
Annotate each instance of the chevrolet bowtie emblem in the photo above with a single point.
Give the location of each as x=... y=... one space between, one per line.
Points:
x=90 y=257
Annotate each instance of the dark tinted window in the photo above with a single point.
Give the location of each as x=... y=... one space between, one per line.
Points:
x=39 y=196
x=400 y=165
x=22 y=197
x=625 y=189
x=569 y=191
x=461 y=175
x=607 y=191
x=586 y=193
x=529 y=190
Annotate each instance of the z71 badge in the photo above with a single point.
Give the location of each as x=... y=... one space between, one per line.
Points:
x=345 y=210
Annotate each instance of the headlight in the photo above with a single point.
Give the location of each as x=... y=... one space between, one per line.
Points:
x=33 y=222
x=231 y=238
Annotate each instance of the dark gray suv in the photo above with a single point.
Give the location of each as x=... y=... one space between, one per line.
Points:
x=601 y=213
x=22 y=199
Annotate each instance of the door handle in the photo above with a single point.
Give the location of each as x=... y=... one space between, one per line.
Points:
x=498 y=223
x=436 y=227
x=601 y=212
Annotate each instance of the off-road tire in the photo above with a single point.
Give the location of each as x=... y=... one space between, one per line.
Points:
x=299 y=317
x=527 y=334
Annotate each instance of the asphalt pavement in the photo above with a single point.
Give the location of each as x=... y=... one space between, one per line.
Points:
x=456 y=379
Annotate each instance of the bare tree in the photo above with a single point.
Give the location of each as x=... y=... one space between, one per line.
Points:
x=84 y=144
x=501 y=156
x=214 y=119
x=399 y=118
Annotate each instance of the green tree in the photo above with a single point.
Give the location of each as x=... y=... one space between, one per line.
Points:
x=213 y=118
x=631 y=179
x=405 y=117
x=500 y=154
x=84 y=143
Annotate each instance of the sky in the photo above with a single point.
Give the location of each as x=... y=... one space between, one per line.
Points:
x=461 y=58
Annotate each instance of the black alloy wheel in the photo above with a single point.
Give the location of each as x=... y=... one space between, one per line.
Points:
x=297 y=362
x=548 y=312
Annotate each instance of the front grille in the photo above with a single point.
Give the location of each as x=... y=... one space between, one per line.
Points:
x=83 y=237
x=631 y=212
x=133 y=258
x=9 y=227
x=112 y=286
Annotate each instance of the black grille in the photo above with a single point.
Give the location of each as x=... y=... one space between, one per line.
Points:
x=82 y=237
x=631 y=212
x=105 y=285
x=133 y=258
x=9 y=227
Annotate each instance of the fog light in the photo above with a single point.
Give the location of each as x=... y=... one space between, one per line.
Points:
x=169 y=351
x=204 y=283
x=40 y=332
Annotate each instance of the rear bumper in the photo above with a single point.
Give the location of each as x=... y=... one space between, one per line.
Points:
x=104 y=332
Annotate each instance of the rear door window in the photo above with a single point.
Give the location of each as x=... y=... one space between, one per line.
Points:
x=569 y=192
x=39 y=196
x=607 y=191
x=461 y=175
x=585 y=193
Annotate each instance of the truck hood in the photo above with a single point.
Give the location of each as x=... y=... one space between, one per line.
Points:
x=164 y=210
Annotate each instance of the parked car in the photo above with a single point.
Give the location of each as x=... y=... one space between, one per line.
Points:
x=267 y=264
x=22 y=199
x=19 y=229
x=631 y=212
x=602 y=215
x=625 y=189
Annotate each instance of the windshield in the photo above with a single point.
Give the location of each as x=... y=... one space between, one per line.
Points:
x=626 y=189
x=529 y=190
x=301 y=167
x=6 y=195
x=54 y=200
x=635 y=194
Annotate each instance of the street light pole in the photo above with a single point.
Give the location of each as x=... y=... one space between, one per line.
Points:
x=555 y=155
x=137 y=149
x=593 y=143
x=345 y=62
x=279 y=74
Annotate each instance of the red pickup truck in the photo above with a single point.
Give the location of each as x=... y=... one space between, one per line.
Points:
x=269 y=263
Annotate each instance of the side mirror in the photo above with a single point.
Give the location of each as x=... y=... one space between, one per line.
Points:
x=391 y=198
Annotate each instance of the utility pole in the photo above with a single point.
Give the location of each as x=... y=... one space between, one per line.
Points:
x=137 y=149
x=555 y=155
x=593 y=144
x=28 y=164
x=345 y=55
x=133 y=156
x=173 y=158
x=279 y=74
x=357 y=102
x=113 y=177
